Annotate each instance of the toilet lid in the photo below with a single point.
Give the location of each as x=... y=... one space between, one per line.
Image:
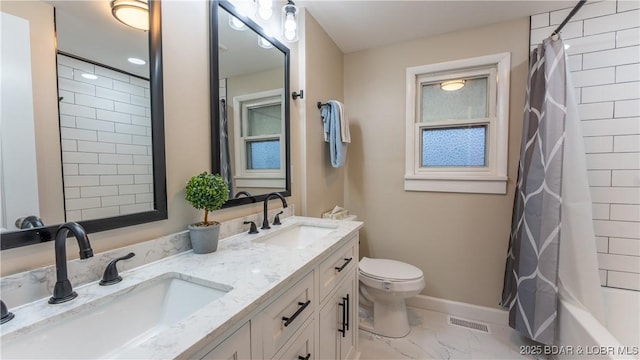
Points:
x=389 y=269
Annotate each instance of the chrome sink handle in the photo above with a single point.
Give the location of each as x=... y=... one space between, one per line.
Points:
x=110 y=275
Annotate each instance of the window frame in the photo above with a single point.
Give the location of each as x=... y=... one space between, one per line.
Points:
x=260 y=178
x=491 y=178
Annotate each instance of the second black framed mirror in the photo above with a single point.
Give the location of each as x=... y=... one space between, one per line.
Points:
x=250 y=132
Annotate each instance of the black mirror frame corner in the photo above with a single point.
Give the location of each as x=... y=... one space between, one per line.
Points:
x=25 y=237
x=215 y=95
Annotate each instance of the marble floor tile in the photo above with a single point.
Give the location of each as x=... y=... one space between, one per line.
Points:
x=432 y=337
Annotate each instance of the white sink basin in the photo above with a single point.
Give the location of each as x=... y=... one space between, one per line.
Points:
x=298 y=236
x=103 y=328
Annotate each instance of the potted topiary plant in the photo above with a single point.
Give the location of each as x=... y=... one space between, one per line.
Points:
x=206 y=192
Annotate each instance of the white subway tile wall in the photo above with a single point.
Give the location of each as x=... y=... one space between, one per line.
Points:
x=106 y=143
x=604 y=58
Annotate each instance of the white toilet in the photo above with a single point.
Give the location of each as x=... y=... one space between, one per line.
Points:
x=386 y=284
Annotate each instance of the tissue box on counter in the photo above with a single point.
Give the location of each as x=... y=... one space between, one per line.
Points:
x=337 y=213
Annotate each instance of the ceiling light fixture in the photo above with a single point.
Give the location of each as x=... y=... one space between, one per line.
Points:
x=290 y=22
x=133 y=13
x=136 y=61
x=452 y=85
x=89 y=76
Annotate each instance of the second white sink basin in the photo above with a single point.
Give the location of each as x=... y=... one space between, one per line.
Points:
x=298 y=236
x=104 y=328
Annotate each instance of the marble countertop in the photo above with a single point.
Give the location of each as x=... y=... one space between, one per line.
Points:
x=255 y=270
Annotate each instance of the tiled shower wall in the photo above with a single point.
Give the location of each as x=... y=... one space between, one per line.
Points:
x=604 y=58
x=105 y=128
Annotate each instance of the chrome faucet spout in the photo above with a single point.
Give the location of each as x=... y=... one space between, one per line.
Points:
x=265 y=219
x=63 y=291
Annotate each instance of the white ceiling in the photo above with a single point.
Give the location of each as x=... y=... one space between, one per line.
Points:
x=357 y=25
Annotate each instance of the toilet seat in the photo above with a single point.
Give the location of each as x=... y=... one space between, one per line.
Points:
x=390 y=275
x=389 y=270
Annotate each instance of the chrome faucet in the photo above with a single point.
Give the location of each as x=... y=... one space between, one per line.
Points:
x=265 y=221
x=63 y=291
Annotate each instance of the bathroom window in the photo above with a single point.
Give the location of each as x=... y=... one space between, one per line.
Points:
x=457 y=126
x=259 y=124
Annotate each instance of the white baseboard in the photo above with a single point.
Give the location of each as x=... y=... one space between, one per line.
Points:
x=460 y=309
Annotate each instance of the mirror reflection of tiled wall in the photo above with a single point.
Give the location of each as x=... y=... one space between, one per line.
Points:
x=105 y=128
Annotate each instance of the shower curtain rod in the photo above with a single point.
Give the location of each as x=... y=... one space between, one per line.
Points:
x=571 y=14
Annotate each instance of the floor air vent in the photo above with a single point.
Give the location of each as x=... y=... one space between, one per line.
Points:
x=473 y=325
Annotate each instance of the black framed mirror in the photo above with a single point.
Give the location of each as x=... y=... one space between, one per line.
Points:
x=250 y=117
x=147 y=150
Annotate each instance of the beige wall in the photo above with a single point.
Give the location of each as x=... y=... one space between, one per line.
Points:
x=458 y=240
x=186 y=101
x=324 y=81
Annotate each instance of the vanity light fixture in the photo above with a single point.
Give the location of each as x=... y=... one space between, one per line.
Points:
x=290 y=21
x=136 y=61
x=236 y=24
x=264 y=43
x=244 y=8
x=452 y=85
x=89 y=76
x=265 y=9
x=133 y=13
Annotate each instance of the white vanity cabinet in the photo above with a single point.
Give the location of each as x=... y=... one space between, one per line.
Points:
x=313 y=318
x=338 y=320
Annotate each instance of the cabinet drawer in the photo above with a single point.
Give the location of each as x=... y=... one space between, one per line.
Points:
x=336 y=266
x=236 y=347
x=302 y=346
x=282 y=318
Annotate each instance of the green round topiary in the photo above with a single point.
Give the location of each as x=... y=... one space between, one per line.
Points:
x=206 y=192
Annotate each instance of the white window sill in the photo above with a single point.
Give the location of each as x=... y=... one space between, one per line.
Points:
x=486 y=186
x=275 y=183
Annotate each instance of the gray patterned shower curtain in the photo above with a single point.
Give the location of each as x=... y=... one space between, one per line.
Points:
x=225 y=166
x=531 y=275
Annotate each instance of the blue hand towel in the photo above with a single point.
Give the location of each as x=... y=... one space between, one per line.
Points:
x=331 y=120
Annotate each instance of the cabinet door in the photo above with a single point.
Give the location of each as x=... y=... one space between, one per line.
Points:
x=329 y=323
x=337 y=323
x=235 y=347
x=348 y=297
